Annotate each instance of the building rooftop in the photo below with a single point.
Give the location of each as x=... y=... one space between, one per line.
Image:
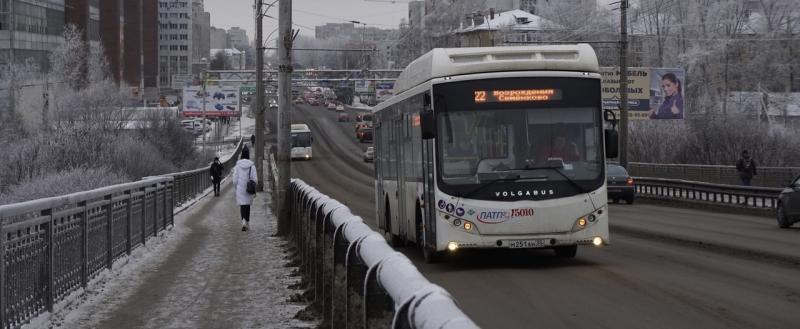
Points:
x=518 y=20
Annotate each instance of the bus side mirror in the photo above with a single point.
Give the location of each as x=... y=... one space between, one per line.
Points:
x=612 y=143
x=428 y=123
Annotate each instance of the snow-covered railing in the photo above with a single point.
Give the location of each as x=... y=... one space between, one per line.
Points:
x=357 y=279
x=53 y=247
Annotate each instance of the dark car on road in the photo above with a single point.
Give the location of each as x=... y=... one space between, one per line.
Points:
x=620 y=184
x=789 y=204
x=364 y=134
x=343 y=117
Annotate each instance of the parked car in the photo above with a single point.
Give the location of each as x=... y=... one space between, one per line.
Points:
x=620 y=184
x=343 y=117
x=194 y=126
x=369 y=154
x=788 y=211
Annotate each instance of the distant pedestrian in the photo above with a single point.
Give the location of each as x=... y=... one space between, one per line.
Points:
x=243 y=172
x=216 y=174
x=746 y=167
x=253 y=140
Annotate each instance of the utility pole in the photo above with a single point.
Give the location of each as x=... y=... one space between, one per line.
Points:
x=258 y=153
x=141 y=53
x=285 y=38
x=623 y=84
x=205 y=101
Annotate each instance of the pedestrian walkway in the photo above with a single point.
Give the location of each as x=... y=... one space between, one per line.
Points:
x=206 y=273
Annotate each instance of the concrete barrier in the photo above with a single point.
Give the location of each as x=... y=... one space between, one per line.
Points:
x=355 y=277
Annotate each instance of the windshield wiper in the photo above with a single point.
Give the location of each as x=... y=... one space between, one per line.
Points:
x=557 y=168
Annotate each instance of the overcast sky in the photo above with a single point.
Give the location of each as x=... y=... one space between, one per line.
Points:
x=308 y=13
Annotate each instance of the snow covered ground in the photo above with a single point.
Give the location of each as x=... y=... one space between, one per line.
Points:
x=204 y=273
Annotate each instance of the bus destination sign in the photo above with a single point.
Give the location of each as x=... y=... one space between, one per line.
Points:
x=517 y=95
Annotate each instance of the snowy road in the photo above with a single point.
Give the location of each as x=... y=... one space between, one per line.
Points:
x=212 y=275
x=663 y=279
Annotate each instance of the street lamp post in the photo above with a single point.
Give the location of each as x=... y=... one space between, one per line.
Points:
x=203 y=125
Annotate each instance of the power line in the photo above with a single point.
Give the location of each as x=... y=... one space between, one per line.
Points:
x=339 y=18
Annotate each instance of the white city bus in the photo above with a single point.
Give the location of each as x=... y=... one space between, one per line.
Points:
x=301 y=141
x=499 y=147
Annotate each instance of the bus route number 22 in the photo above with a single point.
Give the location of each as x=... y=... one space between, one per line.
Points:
x=480 y=96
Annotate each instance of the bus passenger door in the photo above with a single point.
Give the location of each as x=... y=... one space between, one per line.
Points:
x=401 y=179
x=429 y=212
x=379 y=157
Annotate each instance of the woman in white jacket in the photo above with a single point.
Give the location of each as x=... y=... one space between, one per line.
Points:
x=244 y=171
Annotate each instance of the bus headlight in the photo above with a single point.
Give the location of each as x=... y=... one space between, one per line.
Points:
x=452 y=246
x=597 y=241
x=586 y=220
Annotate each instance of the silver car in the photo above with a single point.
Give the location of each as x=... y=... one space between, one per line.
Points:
x=369 y=154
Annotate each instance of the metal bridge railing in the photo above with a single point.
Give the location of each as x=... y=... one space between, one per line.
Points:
x=767 y=176
x=693 y=191
x=357 y=279
x=55 y=246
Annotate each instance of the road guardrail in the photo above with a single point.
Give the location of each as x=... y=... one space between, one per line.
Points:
x=692 y=191
x=767 y=176
x=53 y=247
x=357 y=279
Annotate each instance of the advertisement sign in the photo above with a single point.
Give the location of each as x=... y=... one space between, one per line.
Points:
x=666 y=93
x=220 y=101
x=364 y=86
x=179 y=81
x=384 y=91
x=646 y=92
x=638 y=89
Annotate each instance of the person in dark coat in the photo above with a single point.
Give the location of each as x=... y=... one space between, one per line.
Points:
x=216 y=174
x=253 y=140
x=746 y=167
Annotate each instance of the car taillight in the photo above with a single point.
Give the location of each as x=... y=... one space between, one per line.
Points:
x=629 y=181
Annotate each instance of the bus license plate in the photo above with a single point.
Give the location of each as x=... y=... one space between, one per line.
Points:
x=538 y=243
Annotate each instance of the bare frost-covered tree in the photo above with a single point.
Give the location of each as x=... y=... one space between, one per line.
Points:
x=87 y=133
x=727 y=47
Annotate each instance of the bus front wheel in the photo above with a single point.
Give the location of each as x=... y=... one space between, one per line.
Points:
x=431 y=255
x=566 y=251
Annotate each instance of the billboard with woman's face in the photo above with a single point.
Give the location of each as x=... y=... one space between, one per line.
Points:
x=666 y=93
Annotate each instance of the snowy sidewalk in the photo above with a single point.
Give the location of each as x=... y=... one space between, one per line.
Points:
x=211 y=275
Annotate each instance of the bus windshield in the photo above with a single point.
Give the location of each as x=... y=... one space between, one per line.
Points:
x=504 y=145
x=481 y=146
x=301 y=139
